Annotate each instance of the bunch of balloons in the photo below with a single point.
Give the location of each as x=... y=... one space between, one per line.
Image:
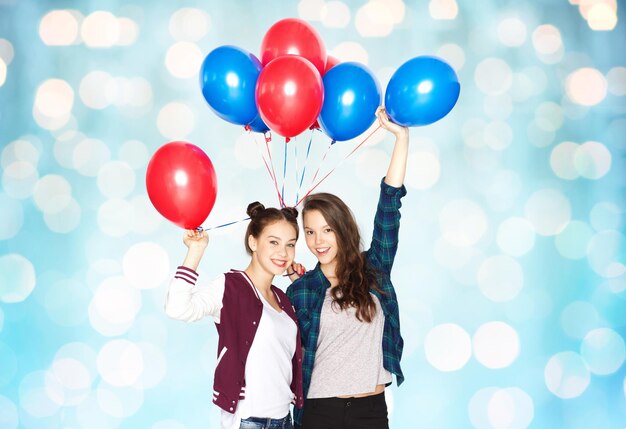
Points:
x=295 y=86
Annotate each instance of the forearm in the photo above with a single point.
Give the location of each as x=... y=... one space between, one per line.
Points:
x=193 y=258
x=397 y=166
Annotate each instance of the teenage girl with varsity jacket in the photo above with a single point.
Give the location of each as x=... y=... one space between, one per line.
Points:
x=258 y=374
x=347 y=306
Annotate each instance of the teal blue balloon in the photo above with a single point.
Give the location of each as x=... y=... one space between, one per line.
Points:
x=351 y=96
x=422 y=91
x=228 y=80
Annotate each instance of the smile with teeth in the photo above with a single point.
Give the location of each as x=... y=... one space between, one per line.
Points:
x=279 y=263
x=322 y=250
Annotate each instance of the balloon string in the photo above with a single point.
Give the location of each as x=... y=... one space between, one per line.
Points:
x=268 y=139
x=200 y=228
x=321 y=162
x=306 y=160
x=295 y=154
x=284 y=174
x=271 y=173
x=340 y=162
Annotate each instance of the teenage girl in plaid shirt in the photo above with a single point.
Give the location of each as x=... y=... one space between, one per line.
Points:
x=347 y=307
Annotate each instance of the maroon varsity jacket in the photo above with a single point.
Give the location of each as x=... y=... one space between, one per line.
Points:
x=239 y=319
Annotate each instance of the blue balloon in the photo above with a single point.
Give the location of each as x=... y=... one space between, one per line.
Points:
x=258 y=126
x=422 y=91
x=351 y=97
x=228 y=80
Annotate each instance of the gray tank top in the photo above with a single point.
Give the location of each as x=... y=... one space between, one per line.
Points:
x=349 y=355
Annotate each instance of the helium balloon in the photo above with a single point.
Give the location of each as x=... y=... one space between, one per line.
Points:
x=351 y=97
x=289 y=95
x=228 y=79
x=422 y=91
x=293 y=36
x=181 y=184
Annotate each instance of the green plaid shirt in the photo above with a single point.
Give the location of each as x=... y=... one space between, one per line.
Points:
x=307 y=293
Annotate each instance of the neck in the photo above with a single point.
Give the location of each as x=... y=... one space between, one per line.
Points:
x=261 y=279
x=329 y=270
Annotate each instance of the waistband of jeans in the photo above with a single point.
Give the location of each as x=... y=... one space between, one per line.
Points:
x=346 y=402
x=267 y=420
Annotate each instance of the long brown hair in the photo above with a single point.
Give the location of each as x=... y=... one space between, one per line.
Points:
x=261 y=217
x=355 y=276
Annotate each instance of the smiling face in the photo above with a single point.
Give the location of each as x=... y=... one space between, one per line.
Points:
x=274 y=249
x=320 y=237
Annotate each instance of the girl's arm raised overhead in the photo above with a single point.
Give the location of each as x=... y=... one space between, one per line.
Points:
x=397 y=165
x=185 y=300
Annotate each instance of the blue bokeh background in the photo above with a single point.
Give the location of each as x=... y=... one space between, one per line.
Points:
x=511 y=269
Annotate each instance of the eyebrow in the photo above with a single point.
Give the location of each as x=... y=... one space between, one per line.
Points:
x=278 y=238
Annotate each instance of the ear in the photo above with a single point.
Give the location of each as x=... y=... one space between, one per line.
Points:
x=252 y=242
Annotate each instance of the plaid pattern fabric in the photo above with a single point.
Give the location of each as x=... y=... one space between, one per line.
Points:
x=307 y=293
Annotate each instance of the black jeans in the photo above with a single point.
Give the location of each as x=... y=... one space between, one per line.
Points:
x=345 y=413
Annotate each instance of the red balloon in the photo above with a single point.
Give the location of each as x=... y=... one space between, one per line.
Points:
x=293 y=36
x=330 y=63
x=289 y=94
x=181 y=184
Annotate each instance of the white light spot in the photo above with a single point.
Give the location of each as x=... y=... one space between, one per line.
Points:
x=146 y=266
x=547 y=39
x=335 y=14
x=515 y=236
x=602 y=17
x=605 y=215
x=605 y=253
x=423 y=170
x=311 y=10
x=89 y=155
x=128 y=33
x=616 y=78
x=448 y=347
x=462 y=222
x=586 y=86
x=566 y=375
x=114 y=307
x=116 y=217
x=100 y=29
x=98 y=89
x=592 y=160
x=369 y=161
x=146 y=219
x=548 y=211
x=512 y=32
x=59 y=28
x=66 y=220
x=350 y=51
x=3 y=72
x=493 y=76
x=72 y=380
x=189 y=24
x=500 y=278
x=443 y=9
x=17 y=278
x=183 y=60
x=175 y=121
x=120 y=363
x=374 y=19
x=54 y=98
x=603 y=350
x=11 y=217
x=6 y=51
x=52 y=194
x=453 y=54
x=496 y=345
x=116 y=179
x=498 y=135
x=510 y=408
x=36 y=397
x=562 y=160
x=155 y=366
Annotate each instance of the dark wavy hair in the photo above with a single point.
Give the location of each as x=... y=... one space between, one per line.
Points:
x=354 y=274
x=261 y=217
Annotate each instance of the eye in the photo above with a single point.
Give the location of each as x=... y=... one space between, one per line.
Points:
x=327 y=230
x=308 y=232
x=274 y=242
x=291 y=245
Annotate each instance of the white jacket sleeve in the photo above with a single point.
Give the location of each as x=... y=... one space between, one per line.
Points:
x=188 y=302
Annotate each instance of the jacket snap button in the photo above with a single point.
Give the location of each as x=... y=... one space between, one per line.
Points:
x=254 y=323
x=231 y=408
